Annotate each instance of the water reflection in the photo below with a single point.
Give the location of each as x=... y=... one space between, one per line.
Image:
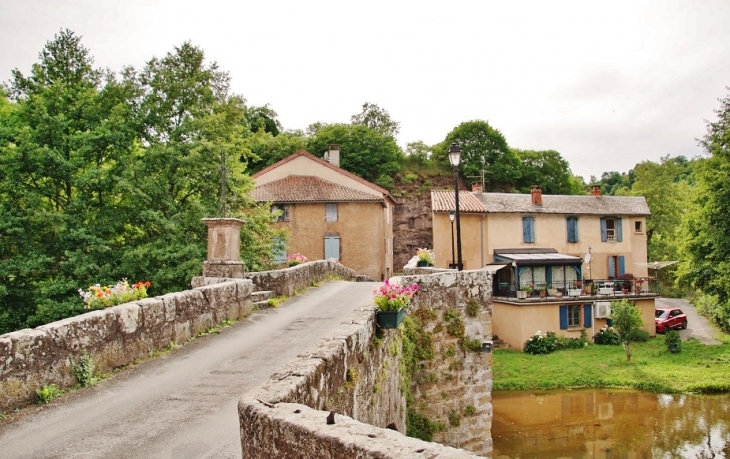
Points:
x=609 y=424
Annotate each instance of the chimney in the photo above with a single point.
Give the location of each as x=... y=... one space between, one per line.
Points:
x=333 y=155
x=476 y=187
x=536 y=192
x=596 y=191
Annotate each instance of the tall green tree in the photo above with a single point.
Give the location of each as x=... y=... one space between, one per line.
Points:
x=483 y=148
x=705 y=248
x=626 y=319
x=376 y=118
x=365 y=152
x=546 y=168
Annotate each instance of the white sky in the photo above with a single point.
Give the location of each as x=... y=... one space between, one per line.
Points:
x=607 y=84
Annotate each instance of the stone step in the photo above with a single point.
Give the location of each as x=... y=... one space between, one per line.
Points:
x=499 y=344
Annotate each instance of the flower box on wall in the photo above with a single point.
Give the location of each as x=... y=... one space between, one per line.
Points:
x=422 y=264
x=390 y=319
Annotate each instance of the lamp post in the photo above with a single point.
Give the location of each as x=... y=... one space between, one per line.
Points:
x=455 y=159
x=453 y=261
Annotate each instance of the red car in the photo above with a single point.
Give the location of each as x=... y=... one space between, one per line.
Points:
x=666 y=318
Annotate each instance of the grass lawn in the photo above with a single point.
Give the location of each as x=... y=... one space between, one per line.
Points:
x=697 y=369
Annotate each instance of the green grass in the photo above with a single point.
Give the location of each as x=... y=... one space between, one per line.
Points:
x=697 y=369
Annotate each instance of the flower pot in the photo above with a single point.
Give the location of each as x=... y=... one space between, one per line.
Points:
x=422 y=264
x=390 y=319
x=521 y=294
x=674 y=348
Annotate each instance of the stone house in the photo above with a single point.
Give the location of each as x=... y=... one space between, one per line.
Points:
x=329 y=212
x=557 y=260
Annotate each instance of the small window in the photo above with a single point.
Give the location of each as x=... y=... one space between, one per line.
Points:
x=573 y=315
x=331 y=248
x=528 y=229
x=611 y=229
x=637 y=227
x=330 y=212
x=284 y=216
x=572 y=223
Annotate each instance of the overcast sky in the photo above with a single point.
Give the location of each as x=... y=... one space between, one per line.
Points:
x=607 y=84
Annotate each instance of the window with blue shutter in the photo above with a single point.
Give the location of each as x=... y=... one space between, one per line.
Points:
x=528 y=229
x=587 y=315
x=611 y=267
x=572 y=229
x=563 y=317
x=619 y=230
x=621 y=265
x=604 y=235
x=331 y=248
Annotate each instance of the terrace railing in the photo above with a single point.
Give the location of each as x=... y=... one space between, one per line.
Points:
x=576 y=289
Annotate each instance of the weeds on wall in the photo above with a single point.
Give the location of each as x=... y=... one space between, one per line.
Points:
x=85 y=371
x=48 y=393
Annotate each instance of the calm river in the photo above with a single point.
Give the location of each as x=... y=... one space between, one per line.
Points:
x=609 y=424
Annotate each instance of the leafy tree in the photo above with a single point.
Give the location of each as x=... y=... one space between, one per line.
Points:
x=376 y=118
x=546 y=168
x=626 y=320
x=365 y=152
x=267 y=149
x=614 y=183
x=482 y=148
x=263 y=118
x=705 y=248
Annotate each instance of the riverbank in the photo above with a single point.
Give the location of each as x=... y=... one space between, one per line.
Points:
x=697 y=369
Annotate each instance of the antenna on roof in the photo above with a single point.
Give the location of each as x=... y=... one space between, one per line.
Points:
x=481 y=176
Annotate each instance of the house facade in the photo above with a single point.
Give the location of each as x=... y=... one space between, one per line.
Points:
x=556 y=260
x=329 y=212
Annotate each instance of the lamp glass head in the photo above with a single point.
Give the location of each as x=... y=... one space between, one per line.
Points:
x=454 y=154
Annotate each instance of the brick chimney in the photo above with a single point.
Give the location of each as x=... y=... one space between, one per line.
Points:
x=333 y=155
x=596 y=191
x=476 y=187
x=536 y=193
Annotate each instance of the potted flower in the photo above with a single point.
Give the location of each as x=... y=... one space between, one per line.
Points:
x=99 y=297
x=392 y=303
x=525 y=291
x=296 y=259
x=425 y=257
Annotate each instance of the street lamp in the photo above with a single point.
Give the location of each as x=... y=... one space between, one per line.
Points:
x=455 y=159
x=453 y=262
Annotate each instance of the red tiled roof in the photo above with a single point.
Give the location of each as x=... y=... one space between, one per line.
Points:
x=297 y=188
x=443 y=201
x=324 y=163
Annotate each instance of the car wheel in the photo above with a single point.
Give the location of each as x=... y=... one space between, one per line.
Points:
x=684 y=325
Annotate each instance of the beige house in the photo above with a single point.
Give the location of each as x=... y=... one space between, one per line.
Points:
x=330 y=213
x=557 y=260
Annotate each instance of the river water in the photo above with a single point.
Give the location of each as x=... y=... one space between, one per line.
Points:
x=609 y=424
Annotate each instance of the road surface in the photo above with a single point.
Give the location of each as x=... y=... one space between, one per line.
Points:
x=182 y=404
x=697 y=326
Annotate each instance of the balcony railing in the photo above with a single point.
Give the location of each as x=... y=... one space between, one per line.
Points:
x=600 y=288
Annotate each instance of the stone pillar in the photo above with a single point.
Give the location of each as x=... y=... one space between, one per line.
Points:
x=224 y=247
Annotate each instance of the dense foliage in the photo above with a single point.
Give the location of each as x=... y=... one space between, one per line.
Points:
x=548 y=343
x=107 y=177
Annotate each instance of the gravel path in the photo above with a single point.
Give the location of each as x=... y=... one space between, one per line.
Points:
x=697 y=326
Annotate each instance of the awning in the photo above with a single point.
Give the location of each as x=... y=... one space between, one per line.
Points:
x=491 y=269
x=544 y=258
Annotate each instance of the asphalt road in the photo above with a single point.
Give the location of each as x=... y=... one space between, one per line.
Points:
x=182 y=404
x=697 y=326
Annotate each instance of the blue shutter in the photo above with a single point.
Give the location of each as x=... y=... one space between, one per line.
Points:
x=604 y=236
x=572 y=229
x=563 y=317
x=528 y=229
x=619 y=232
x=621 y=264
x=587 y=315
x=331 y=248
x=611 y=267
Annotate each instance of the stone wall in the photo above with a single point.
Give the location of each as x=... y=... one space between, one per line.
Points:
x=113 y=337
x=299 y=277
x=358 y=373
x=454 y=387
x=411 y=227
x=354 y=371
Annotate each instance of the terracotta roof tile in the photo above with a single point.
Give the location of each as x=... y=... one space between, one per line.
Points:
x=324 y=163
x=296 y=188
x=443 y=201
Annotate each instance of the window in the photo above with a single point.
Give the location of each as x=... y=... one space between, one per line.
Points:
x=572 y=223
x=331 y=247
x=611 y=229
x=637 y=227
x=616 y=266
x=284 y=216
x=570 y=316
x=528 y=229
x=330 y=212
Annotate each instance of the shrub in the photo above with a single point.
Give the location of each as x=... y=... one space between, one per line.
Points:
x=673 y=341
x=607 y=335
x=541 y=344
x=48 y=393
x=638 y=335
x=85 y=370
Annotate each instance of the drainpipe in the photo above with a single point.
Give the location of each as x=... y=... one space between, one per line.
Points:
x=481 y=239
